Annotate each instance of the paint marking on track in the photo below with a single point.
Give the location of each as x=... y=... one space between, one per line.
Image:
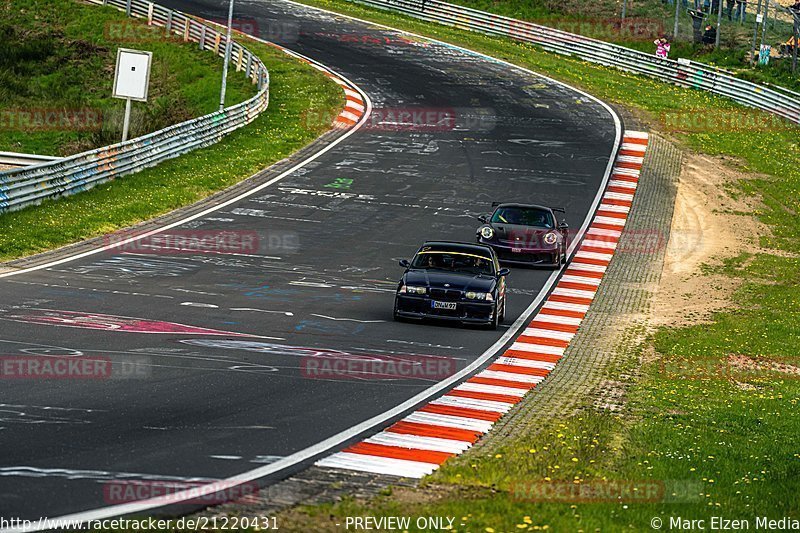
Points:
x=348 y=319
x=287 y=313
x=476 y=404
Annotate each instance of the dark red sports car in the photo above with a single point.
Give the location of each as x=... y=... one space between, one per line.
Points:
x=525 y=233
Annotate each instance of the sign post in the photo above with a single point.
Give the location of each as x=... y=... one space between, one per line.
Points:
x=226 y=61
x=131 y=80
x=126 y=123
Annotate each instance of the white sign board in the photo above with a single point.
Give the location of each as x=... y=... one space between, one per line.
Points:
x=132 y=75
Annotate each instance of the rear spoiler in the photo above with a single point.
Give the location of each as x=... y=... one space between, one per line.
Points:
x=557 y=209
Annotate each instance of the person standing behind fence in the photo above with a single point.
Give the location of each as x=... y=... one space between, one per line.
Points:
x=729 y=8
x=662 y=47
x=697 y=15
x=741 y=14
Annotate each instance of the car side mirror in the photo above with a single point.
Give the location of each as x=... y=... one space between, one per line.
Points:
x=484 y=218
x=563 y=225
x=405 y=264
x=503 y=272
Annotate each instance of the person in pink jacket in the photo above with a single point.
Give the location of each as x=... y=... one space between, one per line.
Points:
x=662 y=47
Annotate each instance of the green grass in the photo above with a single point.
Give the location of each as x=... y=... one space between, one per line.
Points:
x=60 y=55
x=296 y=89
x=719 y=440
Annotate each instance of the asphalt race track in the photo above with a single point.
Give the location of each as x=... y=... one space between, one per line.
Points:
x=313 y=280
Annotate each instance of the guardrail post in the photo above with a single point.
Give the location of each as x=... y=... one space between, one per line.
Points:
x=202 y=37
x=128 y=8
x=169 y=23
x=247 y=70
x=150 y=8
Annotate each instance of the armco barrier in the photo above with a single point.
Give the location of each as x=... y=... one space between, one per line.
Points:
x=778 y=101
x=31 y=185
x=14 y=159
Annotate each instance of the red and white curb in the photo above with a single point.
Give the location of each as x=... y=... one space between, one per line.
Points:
x=419 y=443
x=354 y=107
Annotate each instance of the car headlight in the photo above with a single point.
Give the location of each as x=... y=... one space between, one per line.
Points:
x=550 y=238
x=478 y=296
x=487 y=232
x=416 y=290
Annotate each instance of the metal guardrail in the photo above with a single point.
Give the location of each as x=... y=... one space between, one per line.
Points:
x=683 y=73
x=13 y=159
x=31 y=185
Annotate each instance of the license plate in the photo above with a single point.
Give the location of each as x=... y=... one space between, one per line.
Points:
x=444 y=305
x=516 y=250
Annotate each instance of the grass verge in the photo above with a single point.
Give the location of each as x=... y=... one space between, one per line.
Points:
x=58 y=56
x=295 y=89
x=701 y=436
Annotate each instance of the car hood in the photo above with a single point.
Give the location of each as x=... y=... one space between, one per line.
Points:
x=437 y=280
x=523 y=235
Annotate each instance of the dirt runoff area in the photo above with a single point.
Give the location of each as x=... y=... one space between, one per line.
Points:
x=708 y=226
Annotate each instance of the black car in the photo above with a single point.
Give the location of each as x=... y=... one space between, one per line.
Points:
x=453 y=281
x=525 y=233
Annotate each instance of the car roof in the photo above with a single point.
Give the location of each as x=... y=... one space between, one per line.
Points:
x=466 y=247
x=513 y=204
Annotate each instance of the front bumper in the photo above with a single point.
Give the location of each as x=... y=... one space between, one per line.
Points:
x=420 y=307
x=528 y=256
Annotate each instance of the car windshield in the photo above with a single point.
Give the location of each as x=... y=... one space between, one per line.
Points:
x=453 y=261
x=524 y=216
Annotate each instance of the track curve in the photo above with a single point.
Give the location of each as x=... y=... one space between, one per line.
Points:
x=203 y=404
